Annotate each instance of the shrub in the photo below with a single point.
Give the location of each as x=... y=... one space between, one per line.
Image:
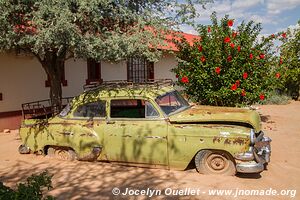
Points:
x=227 y=66
x=276 y=98
x=289 y=61
x=31 y=190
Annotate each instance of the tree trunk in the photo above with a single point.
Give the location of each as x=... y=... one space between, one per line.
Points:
x=53 y=66
x=55 y=91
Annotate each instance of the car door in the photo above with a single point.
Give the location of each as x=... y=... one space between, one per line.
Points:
x=82 y=128
x=136 y=132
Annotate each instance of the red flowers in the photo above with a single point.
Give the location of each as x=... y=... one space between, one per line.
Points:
x=230 y=22
x=243 y=93
x=273 y=36
x=245 y=75
x=232 y=45
x=185 y=79
x=218 y=70
x=277 y=75
x=227 y=39
x=261 y=56
x=200 y=48
x=283 y=35
x=234 y=87
x=202 y=58
x=261 y=96
x=251 y=56
x=177 y=76
x=229 y=58
x=239 y=48
x=208 y=29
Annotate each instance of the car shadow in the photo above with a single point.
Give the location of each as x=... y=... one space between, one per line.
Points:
x=249 y=176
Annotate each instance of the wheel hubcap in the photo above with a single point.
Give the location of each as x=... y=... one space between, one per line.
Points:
x=217 y=162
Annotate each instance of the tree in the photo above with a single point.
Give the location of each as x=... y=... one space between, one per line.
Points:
x=227 y=66
x=289 y=61
x=53 y=30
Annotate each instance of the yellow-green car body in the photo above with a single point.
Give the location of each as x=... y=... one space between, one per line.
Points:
x=151 y=126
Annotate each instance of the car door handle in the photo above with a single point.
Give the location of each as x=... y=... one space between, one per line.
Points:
x=155 y=137
x=110 y=122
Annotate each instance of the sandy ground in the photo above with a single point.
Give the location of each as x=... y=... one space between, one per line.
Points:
x=84 y=180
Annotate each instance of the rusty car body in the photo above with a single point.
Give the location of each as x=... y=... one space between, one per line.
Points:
x=153 y=125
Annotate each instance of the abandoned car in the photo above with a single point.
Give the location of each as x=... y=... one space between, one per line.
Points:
x=149 y=125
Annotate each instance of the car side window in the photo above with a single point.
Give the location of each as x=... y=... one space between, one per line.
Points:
x=132 y=108
x=127 y=108
x=91 y=110
x=151 y=112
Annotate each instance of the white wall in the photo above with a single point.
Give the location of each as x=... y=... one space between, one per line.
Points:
x=114 y=71
x=162 y=69
x=75 y=74
x=22 y=79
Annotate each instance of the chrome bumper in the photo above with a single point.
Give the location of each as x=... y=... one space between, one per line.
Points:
x=253 y=161
x=250 y=167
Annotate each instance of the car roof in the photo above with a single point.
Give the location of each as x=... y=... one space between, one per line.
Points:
x=126 y=89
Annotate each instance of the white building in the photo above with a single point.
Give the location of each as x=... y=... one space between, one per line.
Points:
x=22 y=78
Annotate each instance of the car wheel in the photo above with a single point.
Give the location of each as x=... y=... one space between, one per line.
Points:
x=61 y=153
x=214 y=162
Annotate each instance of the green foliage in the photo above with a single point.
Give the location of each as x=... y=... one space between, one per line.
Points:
x=99 y=29
x=289 y=62
x=227 y=66
x=31 y=190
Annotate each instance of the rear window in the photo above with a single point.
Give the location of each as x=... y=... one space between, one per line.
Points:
x=91 y=110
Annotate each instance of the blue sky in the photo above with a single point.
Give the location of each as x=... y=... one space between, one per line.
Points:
x=275 y=15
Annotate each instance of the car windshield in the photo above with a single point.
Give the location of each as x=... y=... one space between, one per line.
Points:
x=172 y=102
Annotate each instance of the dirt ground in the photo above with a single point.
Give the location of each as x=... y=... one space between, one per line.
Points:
x=84 y=180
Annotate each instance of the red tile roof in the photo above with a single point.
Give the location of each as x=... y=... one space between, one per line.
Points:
x=169 y=44
x=170 y=36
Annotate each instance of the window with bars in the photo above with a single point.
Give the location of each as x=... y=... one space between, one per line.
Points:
x=93 y=72
x=139 y=70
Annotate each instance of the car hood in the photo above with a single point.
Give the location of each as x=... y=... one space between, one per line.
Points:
x=208 y=114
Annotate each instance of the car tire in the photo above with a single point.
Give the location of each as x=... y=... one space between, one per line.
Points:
x=214 y=162
x=62 y=153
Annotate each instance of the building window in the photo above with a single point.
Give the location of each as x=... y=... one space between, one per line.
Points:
x=139 y=70
x=94 y=72
x=64 y=82
x=1 y=97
